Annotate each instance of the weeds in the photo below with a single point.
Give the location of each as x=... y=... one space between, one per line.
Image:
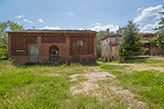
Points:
x=48 y=86
x=149 y=85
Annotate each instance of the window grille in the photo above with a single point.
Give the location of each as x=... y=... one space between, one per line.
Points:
x=79 y=43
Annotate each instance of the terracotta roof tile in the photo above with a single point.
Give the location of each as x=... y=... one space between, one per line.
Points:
x=111 y=35
x=53 y=31
x=146 y=33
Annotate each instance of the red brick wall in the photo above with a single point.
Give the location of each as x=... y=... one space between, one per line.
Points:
x=66 y=43
x=63 y=50
x=86 y=49
x=17 y=60
x=20 y=42
x=154 y=50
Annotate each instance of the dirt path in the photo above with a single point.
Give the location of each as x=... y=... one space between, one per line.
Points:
x=92 y=77
x=105 y=92
x=140 y=67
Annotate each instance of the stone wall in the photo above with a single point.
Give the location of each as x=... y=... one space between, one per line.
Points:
x=109 y=43
x=108 y=40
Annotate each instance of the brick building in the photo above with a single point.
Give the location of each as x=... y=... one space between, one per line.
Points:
x=51 y=46
x=109 y=45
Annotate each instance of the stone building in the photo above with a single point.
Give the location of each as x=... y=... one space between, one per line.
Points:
x=109 y=45
x=51 y=46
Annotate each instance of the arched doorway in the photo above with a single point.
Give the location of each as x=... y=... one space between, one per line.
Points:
x=106 y=59
x=54 y=54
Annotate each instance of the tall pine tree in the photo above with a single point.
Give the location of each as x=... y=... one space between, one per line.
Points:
x=130 y=42
x=159 y=40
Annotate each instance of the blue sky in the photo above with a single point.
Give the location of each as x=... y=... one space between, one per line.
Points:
x=82 y=14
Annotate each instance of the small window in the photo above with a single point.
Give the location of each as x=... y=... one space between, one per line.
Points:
x=106 y=49
x=79 y=43
x=110 y=49
x=107 y=40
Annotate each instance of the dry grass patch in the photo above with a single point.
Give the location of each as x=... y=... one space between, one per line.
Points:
x=103 y=85
x=137 y=67
x=91 y=78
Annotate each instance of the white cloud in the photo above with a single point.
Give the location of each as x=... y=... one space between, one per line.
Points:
x=112 y=27
x=40 y=20
x=149 y=27
x=140 y=9
x=28 y=21
x=19 y=16
x=70 y=13
x=149 y=14
x=98 y=23
x=51 y=28
x=80 y=28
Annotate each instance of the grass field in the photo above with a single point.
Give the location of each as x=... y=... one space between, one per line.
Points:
x=127 y=84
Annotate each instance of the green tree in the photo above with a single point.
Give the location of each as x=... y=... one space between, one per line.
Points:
x=159 y=40
x=100 y=35
x=130 y=42
x=33 y=27
x=4 y=26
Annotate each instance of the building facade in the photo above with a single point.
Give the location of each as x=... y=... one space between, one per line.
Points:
x=52 y=46
x=109 y=45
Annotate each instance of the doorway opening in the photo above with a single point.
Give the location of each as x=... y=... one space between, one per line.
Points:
x=106 y=59
x=34 y=53
x=54 y=54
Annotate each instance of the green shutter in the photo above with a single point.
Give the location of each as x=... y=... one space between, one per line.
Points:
x=110 y=49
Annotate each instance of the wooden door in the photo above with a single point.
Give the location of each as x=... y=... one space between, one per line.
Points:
x=54 y=55
x=34 y=53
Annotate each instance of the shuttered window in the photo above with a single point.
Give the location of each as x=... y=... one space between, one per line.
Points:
x=110 y=49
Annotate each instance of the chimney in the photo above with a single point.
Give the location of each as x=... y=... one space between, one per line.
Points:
x=108 y=31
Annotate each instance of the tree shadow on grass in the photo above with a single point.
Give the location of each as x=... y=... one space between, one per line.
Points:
x=89 y=63
x=60 y=64
x=134 y=61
